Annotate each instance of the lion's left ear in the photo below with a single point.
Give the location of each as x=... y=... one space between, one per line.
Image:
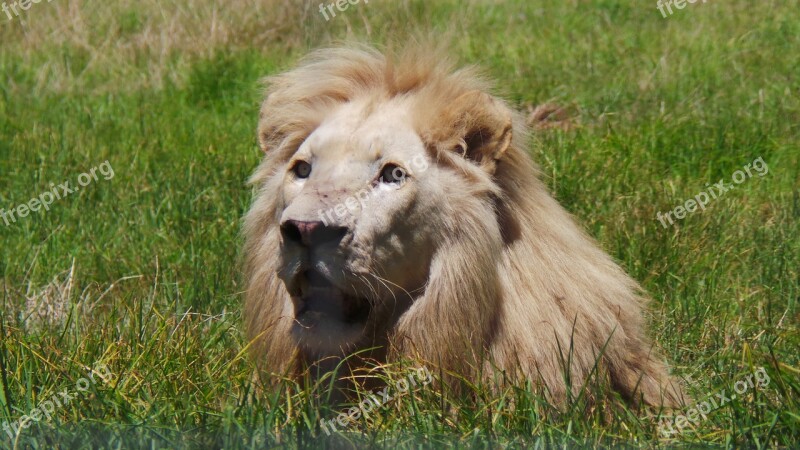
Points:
x=484 y=127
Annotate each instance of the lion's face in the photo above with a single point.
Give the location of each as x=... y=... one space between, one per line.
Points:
x=356 y=207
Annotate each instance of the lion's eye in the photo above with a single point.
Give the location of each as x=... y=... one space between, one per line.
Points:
x=393 y=174
x=302 y=169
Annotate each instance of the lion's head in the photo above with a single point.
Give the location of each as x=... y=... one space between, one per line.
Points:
x=394 y=212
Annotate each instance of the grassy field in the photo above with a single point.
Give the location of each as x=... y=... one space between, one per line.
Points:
x=137 y=274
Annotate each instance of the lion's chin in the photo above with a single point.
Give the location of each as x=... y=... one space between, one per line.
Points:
x=326 y=318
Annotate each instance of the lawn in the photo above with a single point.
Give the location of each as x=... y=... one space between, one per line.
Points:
x=148 y=110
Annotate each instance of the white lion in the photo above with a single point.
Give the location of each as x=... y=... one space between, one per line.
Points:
x=461 y=259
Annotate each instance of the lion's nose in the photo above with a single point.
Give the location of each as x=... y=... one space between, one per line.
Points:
x=311 y=234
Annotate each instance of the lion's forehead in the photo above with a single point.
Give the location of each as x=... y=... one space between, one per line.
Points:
x=366 y=132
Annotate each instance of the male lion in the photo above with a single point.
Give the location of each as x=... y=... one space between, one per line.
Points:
x=398 y=211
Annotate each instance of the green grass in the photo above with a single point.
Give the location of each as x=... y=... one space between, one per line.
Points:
x=143 y=272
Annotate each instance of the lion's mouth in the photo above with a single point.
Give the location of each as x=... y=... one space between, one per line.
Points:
x=317 y=298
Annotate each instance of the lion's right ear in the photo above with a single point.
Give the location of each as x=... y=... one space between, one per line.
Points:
x=263 y=142
x=284 y=123
x=484 y=127
x=265 y=129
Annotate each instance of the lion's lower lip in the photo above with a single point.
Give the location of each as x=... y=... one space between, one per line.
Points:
x=345 y=309
x=317 y=280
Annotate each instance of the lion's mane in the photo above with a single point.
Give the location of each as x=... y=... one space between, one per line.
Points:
x=524 y=286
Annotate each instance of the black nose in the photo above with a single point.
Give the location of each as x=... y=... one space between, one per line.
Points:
x=311 y=234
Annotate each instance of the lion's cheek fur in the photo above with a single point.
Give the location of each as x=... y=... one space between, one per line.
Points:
x=461 y=297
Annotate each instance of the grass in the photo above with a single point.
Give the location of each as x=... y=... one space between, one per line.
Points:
x=140 y=272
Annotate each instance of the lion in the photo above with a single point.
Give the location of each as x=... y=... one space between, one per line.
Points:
x=398 y=215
